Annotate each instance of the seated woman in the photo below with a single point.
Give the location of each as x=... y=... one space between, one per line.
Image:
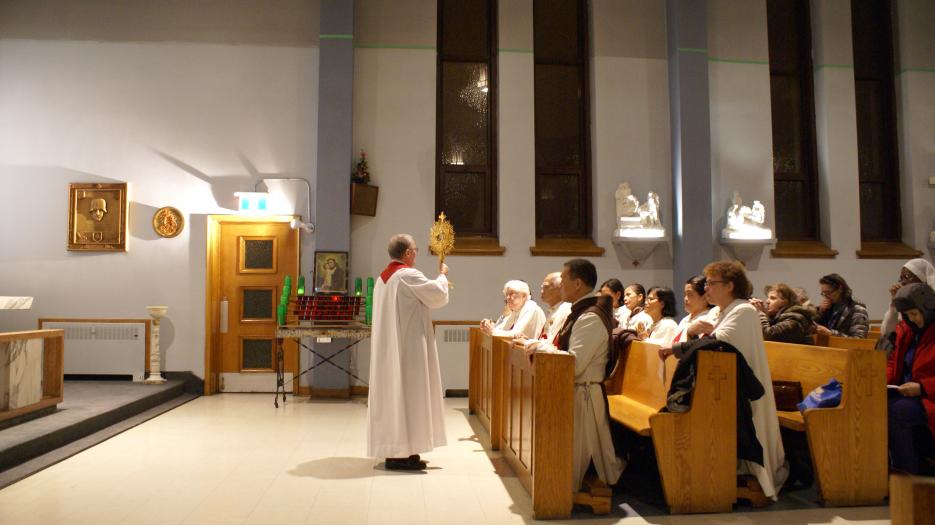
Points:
x=910 y=372
x=613 y=288
x=839 y=314
x=696 y=306
x=660 y=306
x=521 y=316
x=783 y=318
x=914 y=271
x=634 y=298
x=735 y=321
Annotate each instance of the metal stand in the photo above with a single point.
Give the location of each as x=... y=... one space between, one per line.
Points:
x=355 y=333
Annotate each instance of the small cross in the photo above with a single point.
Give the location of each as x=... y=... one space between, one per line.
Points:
x=717 y=376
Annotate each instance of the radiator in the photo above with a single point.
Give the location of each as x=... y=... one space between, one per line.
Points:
x=98 y=347
x=452 y=341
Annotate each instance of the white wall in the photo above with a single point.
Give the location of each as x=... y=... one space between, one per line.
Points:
x=742 y=149
x=199 y=107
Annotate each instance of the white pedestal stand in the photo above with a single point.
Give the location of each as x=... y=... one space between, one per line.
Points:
x=155 y=374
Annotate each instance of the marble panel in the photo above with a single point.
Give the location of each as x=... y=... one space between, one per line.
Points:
x=20 y=373
x=15 y=303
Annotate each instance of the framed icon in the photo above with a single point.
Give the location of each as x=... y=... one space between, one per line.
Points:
x=331 y=272
x=97 y=217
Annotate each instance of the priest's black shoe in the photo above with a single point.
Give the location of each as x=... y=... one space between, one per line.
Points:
x=411 y=463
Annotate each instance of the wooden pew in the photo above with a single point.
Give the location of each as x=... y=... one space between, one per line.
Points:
x=485 y=382
x=912 y=500
x=848 y=443
x=857 y=343
x=697 y=450
x=538 y=427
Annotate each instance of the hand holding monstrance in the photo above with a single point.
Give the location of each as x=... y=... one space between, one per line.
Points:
x=442 y=241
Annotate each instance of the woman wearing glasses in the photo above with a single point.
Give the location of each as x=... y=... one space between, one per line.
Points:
x=839 y=314
x=735 y=321
x=914 y=271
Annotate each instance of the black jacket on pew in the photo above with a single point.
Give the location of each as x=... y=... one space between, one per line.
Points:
x=749 y=389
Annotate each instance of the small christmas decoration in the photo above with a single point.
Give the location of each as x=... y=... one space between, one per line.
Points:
x=361 y=173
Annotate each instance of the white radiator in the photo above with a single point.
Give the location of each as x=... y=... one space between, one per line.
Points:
x=98 y=347
x=453 y=341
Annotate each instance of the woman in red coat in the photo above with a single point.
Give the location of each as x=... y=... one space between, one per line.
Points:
x=910 y=372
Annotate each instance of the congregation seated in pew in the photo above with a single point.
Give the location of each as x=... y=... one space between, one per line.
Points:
x=551 y=294
x=839 y=313
x=910 y=376
x=634 y=299
x=521 y=315
x=613 y=288
x=660 y=306
x=914 y=271
x=736 y=322
x=586 y=335
x=696 y=305
x=782 y=316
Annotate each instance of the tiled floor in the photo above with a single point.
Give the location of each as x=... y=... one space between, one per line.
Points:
x=236 y=459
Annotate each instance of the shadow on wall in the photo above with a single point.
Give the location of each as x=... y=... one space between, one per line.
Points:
x=222 y=186
x=35 y=212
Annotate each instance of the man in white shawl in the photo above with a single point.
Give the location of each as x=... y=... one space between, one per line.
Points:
x=521 y=315
x=735 y=321
x=586 y=335
x=405 y=414
x=551 y=294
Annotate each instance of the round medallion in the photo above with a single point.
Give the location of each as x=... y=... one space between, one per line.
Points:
x=168 y=222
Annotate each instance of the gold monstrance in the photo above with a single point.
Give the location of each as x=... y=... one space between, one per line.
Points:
x=441 y=238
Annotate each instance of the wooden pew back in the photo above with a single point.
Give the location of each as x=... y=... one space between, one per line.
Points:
x=485 y=382
x=848 y=443
x=646 y=378
x=833 y=341
x=810 y=365
x=539 y=428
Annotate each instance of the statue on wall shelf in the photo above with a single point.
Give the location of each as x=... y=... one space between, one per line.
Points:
x=635 y=219
x=746 y=222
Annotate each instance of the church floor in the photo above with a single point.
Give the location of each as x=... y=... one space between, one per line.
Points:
x=235 y=459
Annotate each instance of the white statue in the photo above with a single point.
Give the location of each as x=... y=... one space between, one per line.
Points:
x=649 y=212
x=744 y=222
x=627 y=204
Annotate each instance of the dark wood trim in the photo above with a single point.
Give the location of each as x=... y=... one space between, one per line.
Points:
x=329 y=393
x=559 y=247
x=886 y=250
x=478 y=246
x=455 y=323
x=802 y=250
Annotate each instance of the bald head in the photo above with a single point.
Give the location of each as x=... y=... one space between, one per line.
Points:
x=551 y=289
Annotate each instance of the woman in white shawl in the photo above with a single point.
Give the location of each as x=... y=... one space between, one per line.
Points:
x=521 y=316
x=914 y=271
x=736 y=321
x=696 y=306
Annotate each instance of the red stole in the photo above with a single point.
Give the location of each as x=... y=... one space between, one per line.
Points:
x=391 y=269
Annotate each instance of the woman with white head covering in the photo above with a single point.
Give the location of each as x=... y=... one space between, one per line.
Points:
x=521 y=316
x=914 y=271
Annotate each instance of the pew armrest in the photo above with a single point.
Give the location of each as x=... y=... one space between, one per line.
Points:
x=791 y=420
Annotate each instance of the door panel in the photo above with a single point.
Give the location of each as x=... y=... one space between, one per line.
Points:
x=254 y=257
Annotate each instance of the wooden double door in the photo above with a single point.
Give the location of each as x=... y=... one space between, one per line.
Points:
x=248 y=261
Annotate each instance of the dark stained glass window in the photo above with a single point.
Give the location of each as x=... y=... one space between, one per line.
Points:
x=795 y=167
x=465 y=174
x=563 y=183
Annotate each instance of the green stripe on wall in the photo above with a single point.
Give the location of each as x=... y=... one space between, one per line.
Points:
x=514 y=50
x=336 y=37
x=395 y=46
x=739 y=61
x=918 y=69
x=692 y=49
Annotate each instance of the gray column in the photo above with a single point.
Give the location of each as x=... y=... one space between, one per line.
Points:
x=332 y=196
x=693 y=239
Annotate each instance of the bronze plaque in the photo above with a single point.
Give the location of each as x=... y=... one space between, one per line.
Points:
x=97 y=217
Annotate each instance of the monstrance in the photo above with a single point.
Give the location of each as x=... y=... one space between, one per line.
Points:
x=442 y=238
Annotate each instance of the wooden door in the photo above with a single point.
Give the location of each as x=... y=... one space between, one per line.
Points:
x=254 y=258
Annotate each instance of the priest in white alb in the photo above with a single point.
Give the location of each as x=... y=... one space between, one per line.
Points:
x=405 y=414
